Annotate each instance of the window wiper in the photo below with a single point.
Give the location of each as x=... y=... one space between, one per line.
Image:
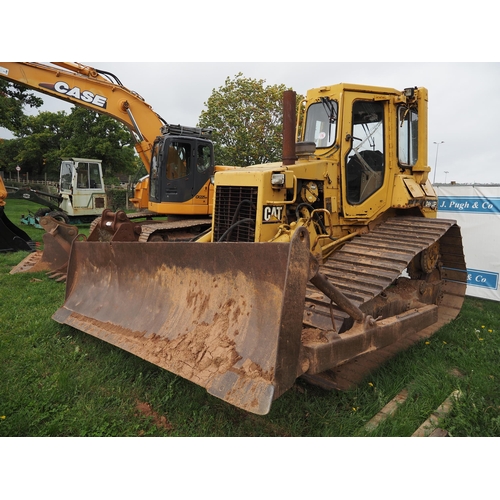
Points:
x=330 y=109
x=331 y=112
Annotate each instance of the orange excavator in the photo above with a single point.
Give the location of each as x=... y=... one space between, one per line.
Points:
x=184 y=194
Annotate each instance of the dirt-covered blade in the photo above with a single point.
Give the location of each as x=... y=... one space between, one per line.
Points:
x=57 y=242
x=226 y=316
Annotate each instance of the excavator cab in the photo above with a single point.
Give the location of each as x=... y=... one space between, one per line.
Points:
x=181 y=169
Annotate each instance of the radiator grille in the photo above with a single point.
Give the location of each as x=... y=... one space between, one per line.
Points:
x=235 y=213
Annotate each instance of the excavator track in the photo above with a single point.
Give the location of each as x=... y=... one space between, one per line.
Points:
x=371 y=265
x=150 y=230
x=172 y=230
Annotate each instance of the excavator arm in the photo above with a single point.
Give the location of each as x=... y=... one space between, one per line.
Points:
x=93 y=89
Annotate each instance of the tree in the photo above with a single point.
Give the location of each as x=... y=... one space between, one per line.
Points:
x=39 y=145
x=88 y=134
x=8 y=152
x=47 y=137
x=247 y=118
x=13 y=98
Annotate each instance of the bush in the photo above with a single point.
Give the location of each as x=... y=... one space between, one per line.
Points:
x=117 y=198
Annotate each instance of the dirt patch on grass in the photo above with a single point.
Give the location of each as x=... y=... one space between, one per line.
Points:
x=456 y=373
x=159 y=420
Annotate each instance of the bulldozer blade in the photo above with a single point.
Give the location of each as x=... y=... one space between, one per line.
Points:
x=56 y=248
x=226 y=316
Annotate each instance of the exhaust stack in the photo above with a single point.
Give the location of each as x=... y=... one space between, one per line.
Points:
x=289 y=120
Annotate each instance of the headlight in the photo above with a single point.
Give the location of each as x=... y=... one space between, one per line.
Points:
x=278 y=180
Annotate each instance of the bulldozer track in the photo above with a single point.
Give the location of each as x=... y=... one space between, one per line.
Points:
x=366 y=267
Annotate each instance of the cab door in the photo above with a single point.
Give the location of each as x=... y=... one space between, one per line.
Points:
x=364 y=156
x=180 y=168
x=178 y=181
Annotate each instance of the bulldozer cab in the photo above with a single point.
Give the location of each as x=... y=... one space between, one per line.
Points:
x=180 y=168
x=357 y=124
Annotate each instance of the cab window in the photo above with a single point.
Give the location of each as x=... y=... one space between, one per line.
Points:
x=66 y=175
x=321 y=123
x=407 y=136
x=178 y=160
x=82 y=179
x=94 y=176
x=365 y=160
x=204 y=158
x=154 y=179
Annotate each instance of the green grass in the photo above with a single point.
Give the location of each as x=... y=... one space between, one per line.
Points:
x=58 y=381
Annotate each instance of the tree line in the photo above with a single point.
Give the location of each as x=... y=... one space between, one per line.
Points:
x=40 y=141
x=245 y=115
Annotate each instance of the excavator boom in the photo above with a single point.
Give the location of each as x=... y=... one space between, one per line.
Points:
x=95 y=90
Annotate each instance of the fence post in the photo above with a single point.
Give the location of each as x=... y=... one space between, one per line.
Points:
x=128 y=187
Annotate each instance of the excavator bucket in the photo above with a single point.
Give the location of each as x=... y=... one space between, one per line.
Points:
x=12 y=238
x=56 y=248
x=226 y=316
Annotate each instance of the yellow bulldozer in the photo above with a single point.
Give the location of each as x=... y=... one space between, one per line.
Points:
x=319 y=266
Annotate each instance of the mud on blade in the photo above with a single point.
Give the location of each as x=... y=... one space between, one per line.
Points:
x=226 y=316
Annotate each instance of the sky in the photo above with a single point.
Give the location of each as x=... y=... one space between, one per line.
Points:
x=453 y=53
x=464 y=100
